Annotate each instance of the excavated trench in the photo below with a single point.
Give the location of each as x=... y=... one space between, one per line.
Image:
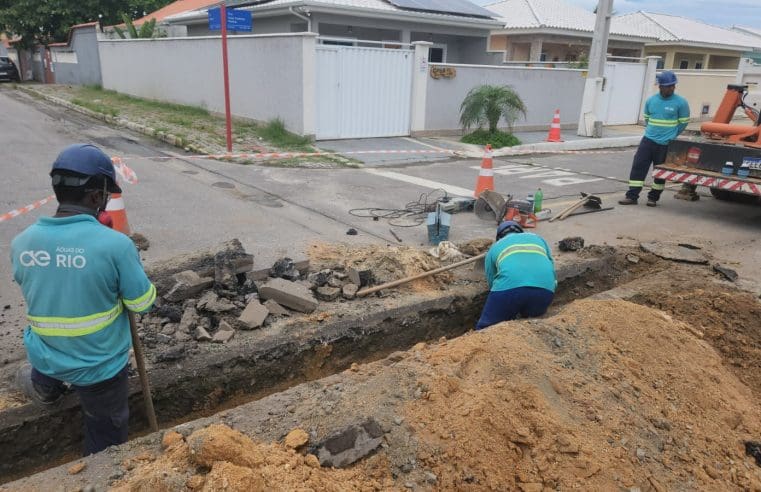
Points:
x=284 y=355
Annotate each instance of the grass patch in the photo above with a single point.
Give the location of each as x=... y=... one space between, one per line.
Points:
x=497 y=139
x=96 y=106
x=275 y=133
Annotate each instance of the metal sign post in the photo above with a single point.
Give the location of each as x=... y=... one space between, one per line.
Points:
x=237 y=20
x=228 y=118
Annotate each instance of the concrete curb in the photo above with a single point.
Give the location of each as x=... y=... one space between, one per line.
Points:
x=169 y=138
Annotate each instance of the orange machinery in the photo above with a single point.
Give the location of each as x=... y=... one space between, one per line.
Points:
x=720 y=127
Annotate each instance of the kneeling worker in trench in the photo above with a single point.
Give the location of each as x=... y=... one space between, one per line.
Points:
x=77 y=277
x=521 y=276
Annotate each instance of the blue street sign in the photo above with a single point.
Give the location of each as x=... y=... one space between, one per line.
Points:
x=237 y=20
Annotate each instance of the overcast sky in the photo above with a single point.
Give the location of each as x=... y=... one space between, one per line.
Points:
x=723 y=13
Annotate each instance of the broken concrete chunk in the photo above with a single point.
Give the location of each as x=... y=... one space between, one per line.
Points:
x=181 y=336
x=210 y=301
x=351 y=444
x=328 y=293
x=254 y=315
x=225 y=274
x=632 y=258
x=353 y=275
x=675 y=252
x=289 y=294
x=318 y=279
x=202 y=335
x=350 y=291
x=571 y=244
x=727 y=273
x=285 y=268
x=187 y=284
x=276 y=309
x=224 y=333
x=189 y=320
x=336 y=282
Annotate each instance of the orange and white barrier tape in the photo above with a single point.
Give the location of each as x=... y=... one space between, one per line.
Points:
x=124 y=171
x=21 y=211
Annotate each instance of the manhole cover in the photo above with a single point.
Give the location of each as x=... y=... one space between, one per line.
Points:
x=223 y=184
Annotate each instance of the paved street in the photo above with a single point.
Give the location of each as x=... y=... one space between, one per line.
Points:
x=183 y=204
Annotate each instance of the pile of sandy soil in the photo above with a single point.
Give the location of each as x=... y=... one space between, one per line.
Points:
x=385 y=263
x=606 y=395
x=728 y=318
x=219 y=458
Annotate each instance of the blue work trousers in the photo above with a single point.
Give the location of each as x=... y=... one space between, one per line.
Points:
x=105 y=408
x=648 y=153
x=506 y=305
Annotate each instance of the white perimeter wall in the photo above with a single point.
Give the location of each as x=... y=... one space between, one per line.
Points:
x=267 y=74
x=542 y=91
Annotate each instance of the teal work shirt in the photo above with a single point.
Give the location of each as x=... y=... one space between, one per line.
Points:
x=520 y=260
x=666 y=118
x=77 y=277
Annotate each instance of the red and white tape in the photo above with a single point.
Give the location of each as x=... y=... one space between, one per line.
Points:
x=290 y=155
x=21 y=211
x=708 y=181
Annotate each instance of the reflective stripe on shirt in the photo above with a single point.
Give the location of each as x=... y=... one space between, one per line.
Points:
x=664 y=123
x=142 y=302
x=74 y=327
x=521 y=248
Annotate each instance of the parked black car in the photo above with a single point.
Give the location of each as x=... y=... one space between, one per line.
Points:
x=8 y=70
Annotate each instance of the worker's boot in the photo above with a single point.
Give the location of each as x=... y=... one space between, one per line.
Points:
x=41 y=395
x=627 y=201
x=651 y=203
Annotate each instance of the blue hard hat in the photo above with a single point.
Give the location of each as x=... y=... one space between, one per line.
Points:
x=508 y=226
x=666 y=78
x=87 y=160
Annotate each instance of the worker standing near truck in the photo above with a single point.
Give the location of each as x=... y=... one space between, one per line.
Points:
x=78 y=277
x=521 y=276
x=666 y=116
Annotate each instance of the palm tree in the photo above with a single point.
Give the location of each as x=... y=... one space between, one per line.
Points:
x=488 y=104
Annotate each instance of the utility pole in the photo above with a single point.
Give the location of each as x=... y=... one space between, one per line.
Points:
x=598 y=55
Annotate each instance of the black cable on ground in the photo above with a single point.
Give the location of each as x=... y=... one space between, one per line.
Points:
x=412 y=215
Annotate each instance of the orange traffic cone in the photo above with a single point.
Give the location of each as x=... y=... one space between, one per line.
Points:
x=554 y=135
x=485 y=174
x=118 y=213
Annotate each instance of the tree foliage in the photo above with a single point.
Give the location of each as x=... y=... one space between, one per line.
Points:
x=48 y=21
x=487 y=104
x=146 y=30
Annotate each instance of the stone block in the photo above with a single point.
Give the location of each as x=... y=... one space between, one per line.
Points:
x=224 y=333
x=353 y=275
x=351 y=444
x=276 y=309
x=350 y=291
x=289 y=294
x=328 y=293
x=187 y=284
x=212 y=302
x=202 y=335
x=254 y=315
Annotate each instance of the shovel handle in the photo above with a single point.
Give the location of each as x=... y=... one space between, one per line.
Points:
x=137 y=345
x=405 y=280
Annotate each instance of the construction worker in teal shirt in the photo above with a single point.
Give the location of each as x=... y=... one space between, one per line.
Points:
x=78 y=278
x=666 y=115
x=521 y=276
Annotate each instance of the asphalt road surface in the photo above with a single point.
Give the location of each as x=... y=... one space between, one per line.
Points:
x=182 y=204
